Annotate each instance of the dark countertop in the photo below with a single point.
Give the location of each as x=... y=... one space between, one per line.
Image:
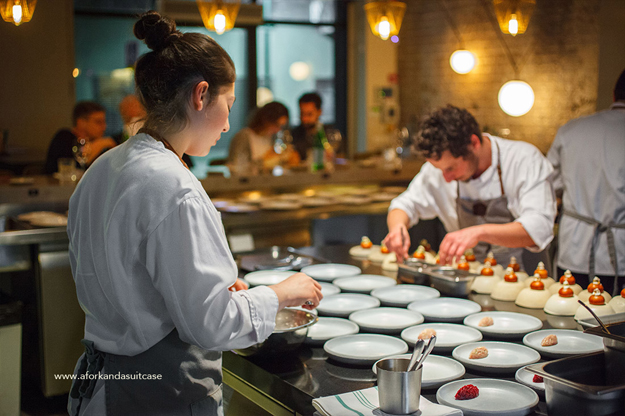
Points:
x=308 y=373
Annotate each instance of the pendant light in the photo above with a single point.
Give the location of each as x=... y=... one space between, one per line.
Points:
x=516 y=98
x=385 y=17
x=17 y=11
x=219 y=15
x=462 y=61
x=513 y=16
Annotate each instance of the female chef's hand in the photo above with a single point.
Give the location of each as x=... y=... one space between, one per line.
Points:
x=456 y=243
x=238 y=285
x=298 y=290
x=398 y=241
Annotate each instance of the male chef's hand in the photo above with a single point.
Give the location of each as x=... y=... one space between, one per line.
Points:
x=298 y=290
x=238 y=285
x=398 y=241
x=456 y=243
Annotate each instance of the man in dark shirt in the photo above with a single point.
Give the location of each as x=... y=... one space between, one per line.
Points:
x=310 y=112
x=89 y=119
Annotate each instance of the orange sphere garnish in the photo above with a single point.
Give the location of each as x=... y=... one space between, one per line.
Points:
x=469 y=255
x=566 y=292
x=420 y=253
x=365 y=242
x=596 y=298
x=541 y=271
x=486 y=270
x=513 y=263
x=596 y=284
x=384 y=249
x=490 y=259
x=510 y=276
x=438 y=259
x=568 y=277
x=463 y=265
x=537 y=284
x=623 y=293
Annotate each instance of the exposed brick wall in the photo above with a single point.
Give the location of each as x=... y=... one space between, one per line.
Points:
x=557 y=56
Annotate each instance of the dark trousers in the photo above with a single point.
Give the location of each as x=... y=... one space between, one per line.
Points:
x=583 y=280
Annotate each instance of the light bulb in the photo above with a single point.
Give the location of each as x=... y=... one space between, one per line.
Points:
x=513 y=25
x=220 y=22
x=17 y=14
x=516 y=98
x=462 y=61
x=384 y=28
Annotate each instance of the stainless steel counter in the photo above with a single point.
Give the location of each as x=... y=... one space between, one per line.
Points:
x=294 y=380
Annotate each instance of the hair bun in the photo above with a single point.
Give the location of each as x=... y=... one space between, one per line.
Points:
x=155 y=30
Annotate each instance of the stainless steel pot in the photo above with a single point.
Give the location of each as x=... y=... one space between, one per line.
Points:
x=289 y=334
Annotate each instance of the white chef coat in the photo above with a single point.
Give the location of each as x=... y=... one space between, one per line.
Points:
x=588 y=155
x=525 y=174
x=148 y=253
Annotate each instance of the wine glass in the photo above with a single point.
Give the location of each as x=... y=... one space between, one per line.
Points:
x=334 y=139
x=81 y=152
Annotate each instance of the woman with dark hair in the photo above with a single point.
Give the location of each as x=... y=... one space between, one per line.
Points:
x=149 y=256
x=251 y=149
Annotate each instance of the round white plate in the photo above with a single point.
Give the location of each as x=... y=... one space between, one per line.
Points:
x=239 y=208
x=526 y=377
x=330 y=271
x=342 y=304
x=44 y=219
x=401 y=295
x=382 y=196
x=497 y=397
x=448 y=336
x=358 y=251
x=570 y=342
x=364 y=283
x=267 y=277
x=503 y=357
x=314 y=201
x=328 y=289
x=437 y=370
x=328 y=328
x=445 y=309
x=505 y=324
x=281 y=205
x=385 y=320
x=354 y=200
x=364 y=349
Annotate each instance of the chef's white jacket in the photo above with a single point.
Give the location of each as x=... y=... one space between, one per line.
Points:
x=526 y=181
x=588 y=155
x=148 y=253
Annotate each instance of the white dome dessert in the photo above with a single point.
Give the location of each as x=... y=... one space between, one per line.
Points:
x=509 y=288
x=535 y=296
x=544 y=276
x=568 y=276
x=485 y=283
x=596 y=284
x=563 y=303
x=597 y=304
x=618 y=302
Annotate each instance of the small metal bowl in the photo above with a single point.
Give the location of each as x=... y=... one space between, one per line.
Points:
x=289 y=334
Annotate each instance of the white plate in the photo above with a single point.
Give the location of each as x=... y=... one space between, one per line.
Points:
x=402 y=295
x=364 y=283
x=503 y=357
x=358 y=251
x=44 y=219
x=364 y=349
x=448 y=336
x=570 y=342
x=385 y=320
x=505 y=324
x=437 y=370
x=267 y=277
x=239 y=208
x=328 y=289
x=343 y=304
x=526 y=377
x=445 y=309
x=497 y=397
x=328 y=328
x=285 y=205
x=382 y=196
x=314 y=201
x=330 y=271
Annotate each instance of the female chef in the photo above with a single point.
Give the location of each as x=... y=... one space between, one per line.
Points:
x=148 y=251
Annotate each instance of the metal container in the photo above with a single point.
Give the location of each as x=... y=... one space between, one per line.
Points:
x=614 y=349
x=414 y=271
x=289 y=334
x=579 y=385
x=399 y=390
x=451 y=281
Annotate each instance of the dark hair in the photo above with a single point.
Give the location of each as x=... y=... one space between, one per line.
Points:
x=311 y=97
x=269 y=113
x=84 y=109
x=619 y=88
x=166 y=76
x=448 y=128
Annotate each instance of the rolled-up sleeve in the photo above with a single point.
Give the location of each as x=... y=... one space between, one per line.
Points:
x=535 y=200
x=190 y=263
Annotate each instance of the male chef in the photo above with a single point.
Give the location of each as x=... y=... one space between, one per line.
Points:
x=491 y=194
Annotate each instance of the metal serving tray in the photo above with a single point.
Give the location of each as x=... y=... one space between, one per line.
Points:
x=446 y=279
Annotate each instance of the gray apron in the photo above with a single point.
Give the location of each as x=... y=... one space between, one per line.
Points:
x=190 y=382
x=495 y=211
x=600 y=228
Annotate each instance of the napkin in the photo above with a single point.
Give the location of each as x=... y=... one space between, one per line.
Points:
x=365 y=403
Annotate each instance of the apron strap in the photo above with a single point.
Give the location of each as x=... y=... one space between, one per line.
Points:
x=91 y=363
x=600 y=228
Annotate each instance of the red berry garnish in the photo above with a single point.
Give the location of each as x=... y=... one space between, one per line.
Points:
x=537 y=379
x=467 y=392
